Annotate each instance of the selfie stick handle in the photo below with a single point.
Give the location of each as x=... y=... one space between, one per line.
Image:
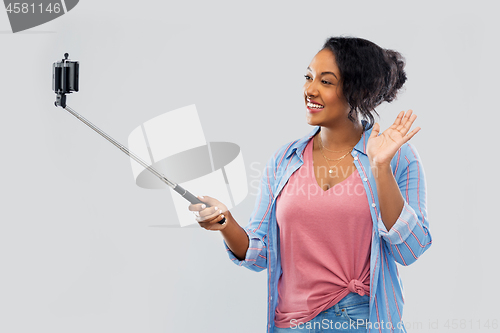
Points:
x=176 y=187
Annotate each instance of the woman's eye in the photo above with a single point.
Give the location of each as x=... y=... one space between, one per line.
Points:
x=307 y=77
x=326 y=82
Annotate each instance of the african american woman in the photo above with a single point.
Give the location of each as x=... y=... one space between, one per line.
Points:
x=339 y=207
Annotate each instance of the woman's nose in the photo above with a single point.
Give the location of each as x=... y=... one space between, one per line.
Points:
x=310 y=89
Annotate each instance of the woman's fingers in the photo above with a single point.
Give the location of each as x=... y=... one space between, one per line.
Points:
x=202 y=212
x=411 y=134
x=214 y=223
x=197 y=207
x=209 y=201
x=209 y=213
x=405 y=123
x=397 y=122
x=410 y=122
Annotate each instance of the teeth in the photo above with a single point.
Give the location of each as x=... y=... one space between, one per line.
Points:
x=314 y=106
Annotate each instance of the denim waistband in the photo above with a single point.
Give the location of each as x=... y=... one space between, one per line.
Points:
x=353 y=299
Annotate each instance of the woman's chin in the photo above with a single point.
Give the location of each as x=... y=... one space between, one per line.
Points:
x=311 y=120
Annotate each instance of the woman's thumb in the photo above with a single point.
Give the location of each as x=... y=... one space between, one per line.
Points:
x=375 y=130
x=206 y=199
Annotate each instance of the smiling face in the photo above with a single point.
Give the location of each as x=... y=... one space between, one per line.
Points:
x=323 y=95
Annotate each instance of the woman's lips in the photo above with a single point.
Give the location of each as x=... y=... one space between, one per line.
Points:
x=313 y=102
x=314 y=110
x=314 y=107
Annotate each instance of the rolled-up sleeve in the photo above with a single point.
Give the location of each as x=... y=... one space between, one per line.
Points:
x=255 y=258
x=409 y=237
x=256 y=229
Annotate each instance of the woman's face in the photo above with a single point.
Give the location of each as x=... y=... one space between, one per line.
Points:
x=325 y=102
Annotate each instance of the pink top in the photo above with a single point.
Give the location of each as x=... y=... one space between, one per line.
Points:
x=325 y=240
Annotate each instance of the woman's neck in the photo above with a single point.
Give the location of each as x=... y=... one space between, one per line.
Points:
x=341 y=136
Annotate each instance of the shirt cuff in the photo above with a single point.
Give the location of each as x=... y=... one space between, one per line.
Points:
x=400 y=231
x=254 y=249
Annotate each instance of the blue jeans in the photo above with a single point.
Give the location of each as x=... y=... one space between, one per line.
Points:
x=350 y=315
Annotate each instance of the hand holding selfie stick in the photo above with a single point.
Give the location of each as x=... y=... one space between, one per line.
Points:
x=65 y=81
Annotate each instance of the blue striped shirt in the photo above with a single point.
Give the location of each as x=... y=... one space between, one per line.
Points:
x=407 y=239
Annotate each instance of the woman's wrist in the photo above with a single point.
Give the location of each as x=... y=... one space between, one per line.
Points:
x=230 y=224
x=235 y=236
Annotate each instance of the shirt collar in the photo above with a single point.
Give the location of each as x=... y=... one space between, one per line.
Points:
x=301 y=144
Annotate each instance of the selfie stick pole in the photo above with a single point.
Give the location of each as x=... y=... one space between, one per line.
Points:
x=176 y=187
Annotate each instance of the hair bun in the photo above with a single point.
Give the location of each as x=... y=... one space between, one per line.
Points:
x=396 y=76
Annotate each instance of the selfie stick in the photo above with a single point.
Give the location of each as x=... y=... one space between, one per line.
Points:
x=65 y=81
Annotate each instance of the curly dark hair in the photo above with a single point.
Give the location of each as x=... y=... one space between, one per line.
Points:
x=370 y=74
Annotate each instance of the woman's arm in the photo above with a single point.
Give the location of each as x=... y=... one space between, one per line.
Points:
x=402 y=222
x=390 y=199
x=409 y=237
x=235 y=237
x=381 y=150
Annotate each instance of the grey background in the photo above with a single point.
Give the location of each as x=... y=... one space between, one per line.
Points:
x=83 y=249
